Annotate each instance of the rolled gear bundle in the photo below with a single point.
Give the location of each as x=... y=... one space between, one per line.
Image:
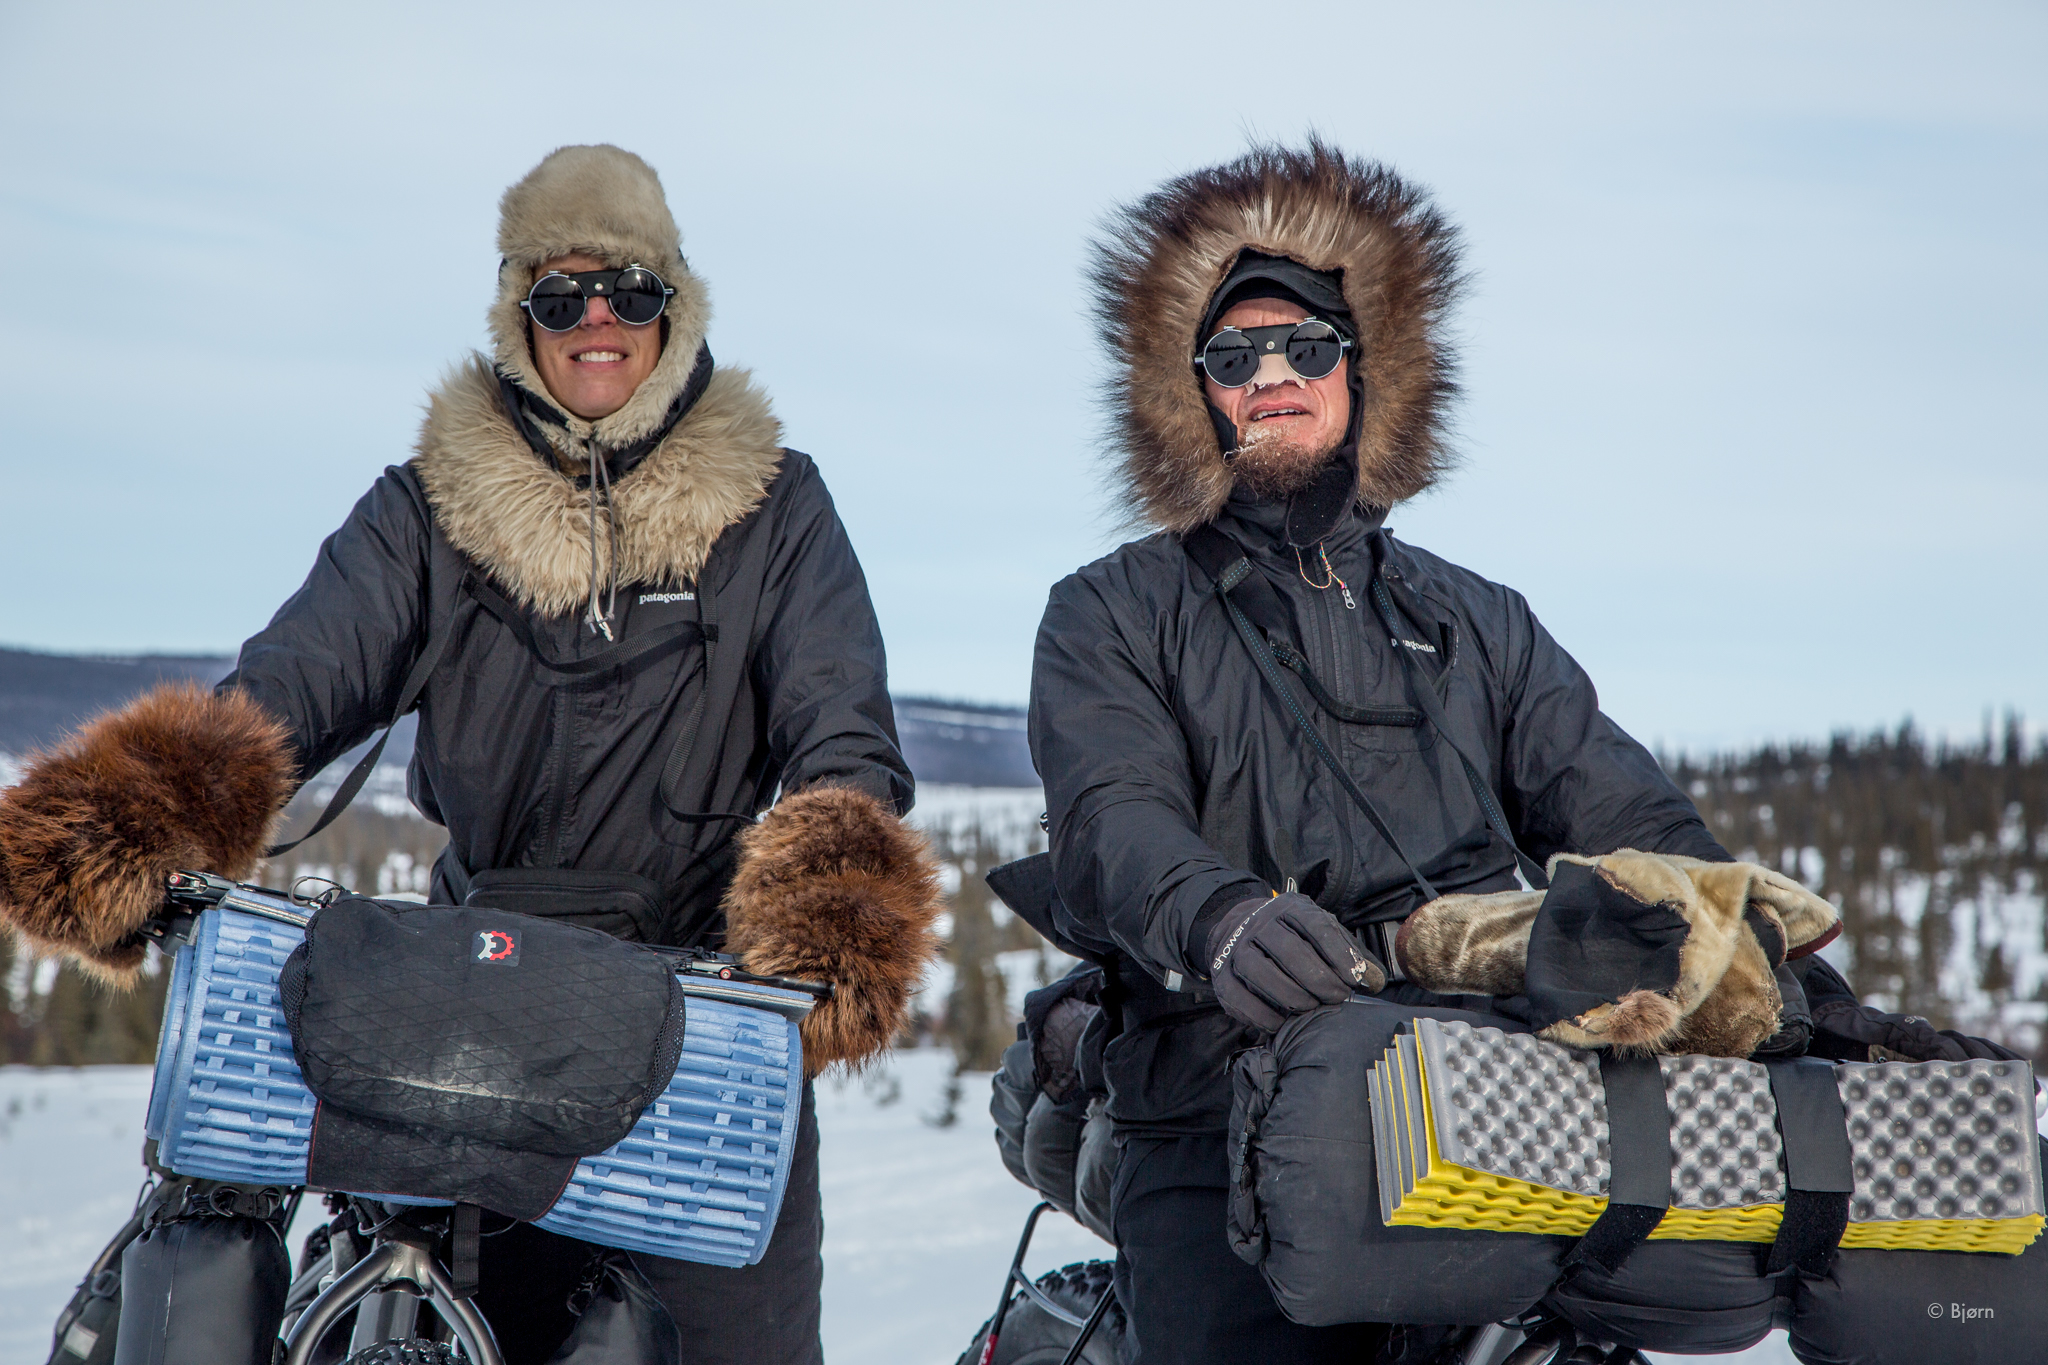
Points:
x=1478 y=1128
x=180 y=778
x=1305 y=1204
x=1638 y=952
x=1312 y=1206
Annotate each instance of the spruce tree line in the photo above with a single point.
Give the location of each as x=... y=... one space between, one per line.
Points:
x=1936 y=853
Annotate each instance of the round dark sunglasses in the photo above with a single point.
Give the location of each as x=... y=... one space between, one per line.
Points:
x=635 y=295
x=1312 y=349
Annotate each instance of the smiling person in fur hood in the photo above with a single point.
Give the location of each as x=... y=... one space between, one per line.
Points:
x=1282 y=378
x=596 y=489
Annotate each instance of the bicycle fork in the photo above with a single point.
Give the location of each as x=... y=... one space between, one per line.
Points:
x=388 y=1284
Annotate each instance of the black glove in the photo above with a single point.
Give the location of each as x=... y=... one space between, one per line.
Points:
x=1275 y=956
x=1906 y=1034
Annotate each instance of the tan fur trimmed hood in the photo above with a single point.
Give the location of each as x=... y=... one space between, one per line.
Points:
x=1161 y=259
x=529 y=525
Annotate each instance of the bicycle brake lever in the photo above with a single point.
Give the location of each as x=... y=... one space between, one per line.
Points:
x=723 y=966
x=196 y=890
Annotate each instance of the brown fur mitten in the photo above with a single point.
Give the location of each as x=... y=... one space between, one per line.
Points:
x=833 y=887
x=180 y=778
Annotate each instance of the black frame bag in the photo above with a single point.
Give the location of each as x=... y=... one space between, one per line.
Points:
x=470 y=1054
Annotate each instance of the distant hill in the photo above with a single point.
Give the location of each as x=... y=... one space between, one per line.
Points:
x=42 y=696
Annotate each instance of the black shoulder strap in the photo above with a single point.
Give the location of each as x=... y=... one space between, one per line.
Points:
x=1233 y=574
x=1426 y=698
x=441 y=560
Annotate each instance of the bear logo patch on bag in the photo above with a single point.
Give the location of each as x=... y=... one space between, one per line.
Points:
x=496 y=945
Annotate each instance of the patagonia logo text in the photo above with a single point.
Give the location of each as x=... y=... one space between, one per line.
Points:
x=499 y=946
x=663 y=597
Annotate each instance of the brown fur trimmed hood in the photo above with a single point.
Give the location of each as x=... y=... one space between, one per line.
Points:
x=522 y=517
x=1161 y=260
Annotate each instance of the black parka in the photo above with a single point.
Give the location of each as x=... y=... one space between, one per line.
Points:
x=1176 y=781
x=531 y=768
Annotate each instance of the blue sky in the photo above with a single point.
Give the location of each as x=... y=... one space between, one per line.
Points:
x=1753 y=355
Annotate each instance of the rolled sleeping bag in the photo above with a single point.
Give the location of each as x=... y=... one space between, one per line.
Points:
x=1052 y=1148
x=1095 y=1170
x=1911 y=1307
x=1349 y=1199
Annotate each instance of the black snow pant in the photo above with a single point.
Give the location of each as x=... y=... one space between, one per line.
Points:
x=765 y=1314
x=1187 y=1295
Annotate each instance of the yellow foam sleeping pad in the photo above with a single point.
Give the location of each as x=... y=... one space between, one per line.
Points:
x=1479 y=1129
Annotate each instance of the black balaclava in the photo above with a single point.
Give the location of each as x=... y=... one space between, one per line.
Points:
x=1314 y=510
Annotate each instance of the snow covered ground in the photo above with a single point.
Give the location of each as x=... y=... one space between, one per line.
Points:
x=920 y=1220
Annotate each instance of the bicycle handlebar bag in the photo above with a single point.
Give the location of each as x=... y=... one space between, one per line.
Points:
x=469 y=1054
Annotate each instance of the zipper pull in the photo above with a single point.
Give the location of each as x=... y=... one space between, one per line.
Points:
x=1349 y=605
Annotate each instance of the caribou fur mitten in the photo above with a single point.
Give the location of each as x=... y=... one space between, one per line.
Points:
x=831 y=886
x=1650 y=953
x=180 y=778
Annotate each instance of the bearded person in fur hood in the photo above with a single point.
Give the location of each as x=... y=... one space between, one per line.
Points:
x=1270 y=730
x=640 y=618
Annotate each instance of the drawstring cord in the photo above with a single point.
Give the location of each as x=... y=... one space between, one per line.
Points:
x=600 y=473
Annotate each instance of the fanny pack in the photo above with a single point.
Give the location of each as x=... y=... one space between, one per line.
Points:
x=616 y=903
x=472 y=1055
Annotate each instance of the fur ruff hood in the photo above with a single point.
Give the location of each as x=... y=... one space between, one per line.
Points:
x=528 y=523
x=1161 y=260
x=524 y=518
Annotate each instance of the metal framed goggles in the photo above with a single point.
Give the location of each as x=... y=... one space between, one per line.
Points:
x=1311 y=347
x=557 y=301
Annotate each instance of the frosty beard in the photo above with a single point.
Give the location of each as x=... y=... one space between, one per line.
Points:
x=1271 y=464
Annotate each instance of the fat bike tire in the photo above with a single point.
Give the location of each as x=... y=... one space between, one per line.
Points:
x=1032 y=1336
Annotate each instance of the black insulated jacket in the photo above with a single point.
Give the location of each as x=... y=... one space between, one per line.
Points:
x=532 y=767
x=1175 y=780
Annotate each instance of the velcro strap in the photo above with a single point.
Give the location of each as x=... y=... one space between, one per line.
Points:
x=1819 y=1171
x=1638 y=1163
